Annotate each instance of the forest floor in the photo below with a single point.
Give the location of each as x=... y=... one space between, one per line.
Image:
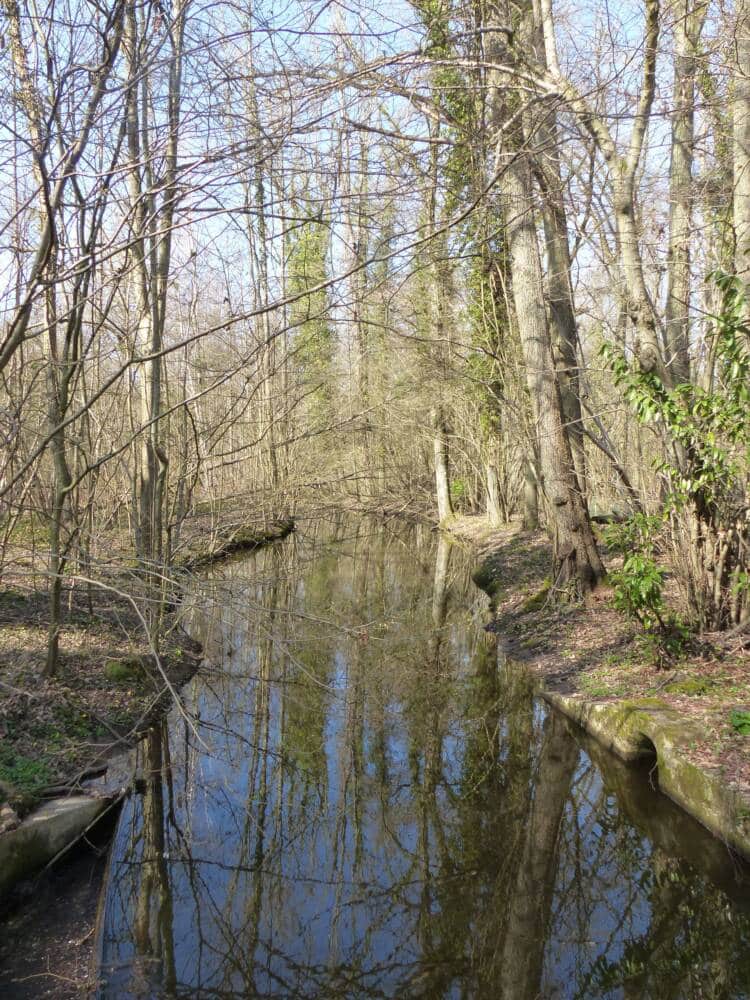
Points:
x=595 y=651
x=56 y=731
x=108 y=689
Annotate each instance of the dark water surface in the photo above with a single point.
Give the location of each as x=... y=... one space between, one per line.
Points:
x=371 y=804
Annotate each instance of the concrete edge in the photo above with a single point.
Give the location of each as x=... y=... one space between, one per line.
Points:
x=44 y=834
x=640 y=727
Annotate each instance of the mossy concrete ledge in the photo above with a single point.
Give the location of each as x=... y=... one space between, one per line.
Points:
x=637 y=728
x=42 y=835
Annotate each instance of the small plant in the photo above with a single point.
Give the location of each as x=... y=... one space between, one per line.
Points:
x=638 y=589
x=25 y=775
x=639 y=585
x=740 y=719
x=458 y=490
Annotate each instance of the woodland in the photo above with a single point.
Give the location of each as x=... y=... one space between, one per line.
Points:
x=425 y=257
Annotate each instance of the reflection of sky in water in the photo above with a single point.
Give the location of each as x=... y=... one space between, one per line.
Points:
x=377 y=810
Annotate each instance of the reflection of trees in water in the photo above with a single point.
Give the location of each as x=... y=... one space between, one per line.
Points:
x=377 y=809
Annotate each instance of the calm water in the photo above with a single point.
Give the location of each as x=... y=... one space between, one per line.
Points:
x=371 y=803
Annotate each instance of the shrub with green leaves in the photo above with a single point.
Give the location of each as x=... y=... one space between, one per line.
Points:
x=705 y=429
x=638 y=589
x=638 y=586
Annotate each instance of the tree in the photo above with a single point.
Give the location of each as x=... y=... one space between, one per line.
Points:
x=577 y=566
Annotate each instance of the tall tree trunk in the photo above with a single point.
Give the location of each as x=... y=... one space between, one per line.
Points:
x=494 y=508
x=57 y=406
x=442 y=479
x=577 y=566
x=548 y=172
x=153 y=202
x=259 y=256
x=741 y=146
x=562 y=310
x=687 y=28
x=529 y=498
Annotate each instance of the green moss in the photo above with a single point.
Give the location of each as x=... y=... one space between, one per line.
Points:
x=599 y=689
x=633 y=704
x=125 y=669
x=693 y=686
x=535 y=602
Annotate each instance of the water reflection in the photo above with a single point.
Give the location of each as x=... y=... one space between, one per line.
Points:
x=369 y=806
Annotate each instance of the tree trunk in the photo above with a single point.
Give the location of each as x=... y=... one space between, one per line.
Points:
x=559 y=285
x=153 y=202
x=562 y=313
x=56 y=410
x=442 y=479
x=688 y=24
x=577 y=566
x=530 y=498
x=741 y=146
x=494 y=508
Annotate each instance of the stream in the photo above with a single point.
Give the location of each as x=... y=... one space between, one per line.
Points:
x=362 y=799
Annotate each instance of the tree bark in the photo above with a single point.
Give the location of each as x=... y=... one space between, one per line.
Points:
x=577 y=566
x=530 y=499
x=442 y=479
x=741 y=147
x=494 y=508
x=688 y=25
x=559 y=285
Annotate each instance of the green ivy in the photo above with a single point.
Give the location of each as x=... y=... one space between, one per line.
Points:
x=740 y=719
